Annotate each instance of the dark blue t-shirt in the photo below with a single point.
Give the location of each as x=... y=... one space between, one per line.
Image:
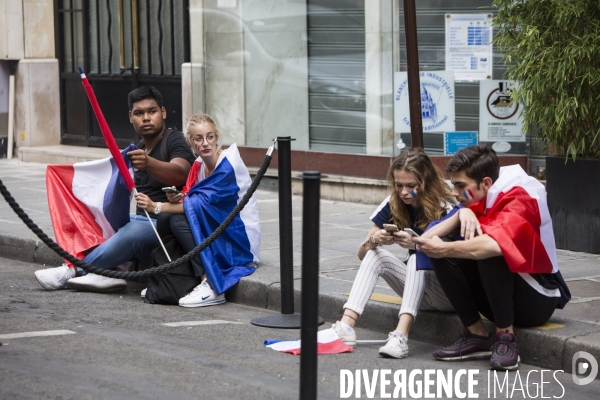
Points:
x=383 y=215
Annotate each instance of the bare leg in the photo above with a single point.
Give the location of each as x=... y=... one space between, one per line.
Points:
x=508 y=329
x=350 y=317
x=404 y=323
x=479 y=329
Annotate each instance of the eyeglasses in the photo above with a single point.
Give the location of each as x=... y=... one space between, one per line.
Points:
x=209 y=139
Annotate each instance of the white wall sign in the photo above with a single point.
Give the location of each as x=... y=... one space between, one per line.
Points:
x=437 y=101
x=499 y=113
x=469 y=46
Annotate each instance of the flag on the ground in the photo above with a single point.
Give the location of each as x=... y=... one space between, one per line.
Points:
x=88 y=202
x=328 y=342
x=516 y=216
x=235 y=253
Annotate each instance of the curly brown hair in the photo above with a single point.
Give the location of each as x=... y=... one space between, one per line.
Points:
x=433 y=190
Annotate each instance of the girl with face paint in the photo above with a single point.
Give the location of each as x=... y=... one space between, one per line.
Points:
x=418 y=195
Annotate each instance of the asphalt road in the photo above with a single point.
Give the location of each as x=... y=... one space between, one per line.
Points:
x=121 y=349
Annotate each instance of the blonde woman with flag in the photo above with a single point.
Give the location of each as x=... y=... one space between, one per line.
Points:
x=217 y=180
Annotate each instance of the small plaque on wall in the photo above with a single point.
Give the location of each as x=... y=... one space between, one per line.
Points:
x=454 y=141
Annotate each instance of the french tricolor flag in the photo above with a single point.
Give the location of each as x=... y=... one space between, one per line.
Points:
x=328 y=342
x=516 y=216
x=88 y=202
x=234 y=254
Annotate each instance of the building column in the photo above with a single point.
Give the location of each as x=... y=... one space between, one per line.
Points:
x=37 y=105
x=381 y=60
x=193 y=94
x=37 y=80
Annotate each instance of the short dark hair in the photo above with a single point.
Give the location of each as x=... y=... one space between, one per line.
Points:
x=142 y=93
x=478 y=162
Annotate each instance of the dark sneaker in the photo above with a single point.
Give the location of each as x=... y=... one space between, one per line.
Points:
x=468 y=347
x=505 y=353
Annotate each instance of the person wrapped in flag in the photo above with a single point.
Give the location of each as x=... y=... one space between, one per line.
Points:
x=89 y=201
x=505 y=268
x=216 y=183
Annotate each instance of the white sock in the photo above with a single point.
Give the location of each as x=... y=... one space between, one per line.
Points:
x=347 y=328
x=402 y=336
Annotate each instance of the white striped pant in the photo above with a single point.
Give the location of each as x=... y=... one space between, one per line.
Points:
x=420 y=290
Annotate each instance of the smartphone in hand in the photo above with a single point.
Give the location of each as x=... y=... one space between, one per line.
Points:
x=411 y=232
x=391 y=227
x=170 y=189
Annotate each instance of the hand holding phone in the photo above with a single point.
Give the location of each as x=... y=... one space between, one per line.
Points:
x=170 y=189
x=411 y=232
x=390 y=227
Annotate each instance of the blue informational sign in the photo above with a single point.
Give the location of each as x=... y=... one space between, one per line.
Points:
x=454 y=141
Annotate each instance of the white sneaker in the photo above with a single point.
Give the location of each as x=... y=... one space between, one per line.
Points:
x=143 y=293
x=348 y=338
x=202 y=296
x=396 y=346
x=97 y=283
x=55 y=278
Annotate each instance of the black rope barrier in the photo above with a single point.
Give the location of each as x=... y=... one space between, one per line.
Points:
x=135 y=275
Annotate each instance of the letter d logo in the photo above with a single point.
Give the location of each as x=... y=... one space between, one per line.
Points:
x=583 y=367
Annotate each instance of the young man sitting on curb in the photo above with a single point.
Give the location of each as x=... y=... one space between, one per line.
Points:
x=506 y=267
x=136 y=239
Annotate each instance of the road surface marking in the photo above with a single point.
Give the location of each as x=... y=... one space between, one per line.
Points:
x=195 y=323
x=549 y=325
x=384 y=298
x=576 y=300
x=34 y=334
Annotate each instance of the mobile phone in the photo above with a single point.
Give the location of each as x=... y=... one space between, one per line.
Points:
x=390 y=227
x=170 y=189
x=411 y=232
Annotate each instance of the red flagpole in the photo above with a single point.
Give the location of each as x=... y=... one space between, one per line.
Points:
x=106 y=133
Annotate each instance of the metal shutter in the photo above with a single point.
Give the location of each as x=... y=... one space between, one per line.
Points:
x=336 y=75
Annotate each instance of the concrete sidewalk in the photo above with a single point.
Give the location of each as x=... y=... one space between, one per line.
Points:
x=343 y=227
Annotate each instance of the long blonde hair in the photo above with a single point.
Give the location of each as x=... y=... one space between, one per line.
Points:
x=201 y=119
x=433 y=190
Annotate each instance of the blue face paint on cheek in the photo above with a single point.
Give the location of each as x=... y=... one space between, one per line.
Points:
x=413 y=193
x=466 y=195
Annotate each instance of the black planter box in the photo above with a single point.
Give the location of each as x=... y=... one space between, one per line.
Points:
x=574 y=202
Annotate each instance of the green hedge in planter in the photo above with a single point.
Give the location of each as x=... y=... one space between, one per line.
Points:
x=552 y=48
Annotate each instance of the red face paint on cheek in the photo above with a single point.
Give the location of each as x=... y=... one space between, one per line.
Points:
x=470 y=193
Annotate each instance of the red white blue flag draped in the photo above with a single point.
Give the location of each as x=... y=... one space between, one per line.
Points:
x=88 y=202
x=234 y=254
x=516 y=215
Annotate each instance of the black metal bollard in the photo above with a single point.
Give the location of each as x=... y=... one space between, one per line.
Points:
x=287 y=319
x=286 y=238
x=310 y=284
